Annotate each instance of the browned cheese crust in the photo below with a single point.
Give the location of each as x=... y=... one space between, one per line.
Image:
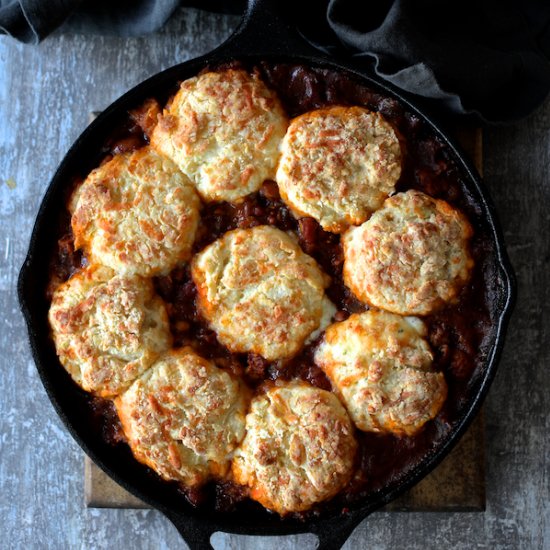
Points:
x=184 y=417
x=260 y=292
x=299 y=448
x=411 y=257
x=223 y=129
x=107 y=328
x=338 y=165
x=380 y=365
x=136 y=214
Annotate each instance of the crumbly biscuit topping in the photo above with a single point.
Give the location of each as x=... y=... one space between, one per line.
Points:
x=338 y=165
x=138 y=216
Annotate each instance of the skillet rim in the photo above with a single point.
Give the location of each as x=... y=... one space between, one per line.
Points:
x=273 y=525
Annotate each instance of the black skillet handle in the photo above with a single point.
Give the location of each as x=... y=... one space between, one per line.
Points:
x=332 y=535
x=194 y=532
x=267 y=28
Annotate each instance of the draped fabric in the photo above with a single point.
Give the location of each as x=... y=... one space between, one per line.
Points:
x=489 y=58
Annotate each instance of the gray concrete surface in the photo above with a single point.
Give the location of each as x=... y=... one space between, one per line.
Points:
x=46 y=93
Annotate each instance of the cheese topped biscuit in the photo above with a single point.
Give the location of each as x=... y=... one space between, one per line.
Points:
x=338 y=164
x=260 y=292
x=411 y=257
x=379 y=363
x=223 y=129
x=184 y=417
x=299 y=448
x=136 y=213
x=107 y=328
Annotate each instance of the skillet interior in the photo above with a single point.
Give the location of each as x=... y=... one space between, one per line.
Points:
x=198 y=524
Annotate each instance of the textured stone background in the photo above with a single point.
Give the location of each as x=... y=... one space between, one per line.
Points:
x=46 y=93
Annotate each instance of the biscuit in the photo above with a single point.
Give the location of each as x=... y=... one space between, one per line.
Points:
x=411 y=257
x=223 y=129
x=338 y=164
x=107 y=329
x=299 y=448
x=379 y=364
x=260 y=292
x=136 y=214
x=184 y=417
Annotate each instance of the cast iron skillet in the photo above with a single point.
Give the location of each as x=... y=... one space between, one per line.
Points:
x=264 y=34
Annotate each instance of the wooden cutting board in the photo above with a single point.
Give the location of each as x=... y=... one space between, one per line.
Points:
x=457 y=484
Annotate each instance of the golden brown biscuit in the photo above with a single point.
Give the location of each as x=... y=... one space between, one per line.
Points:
x=411 y=257
x=108 y=329
x=299 y=448
x=379 y=363
x=184 y=417
x=223 y=129
x=338 y=164
x=136 y=214
x=260 y=292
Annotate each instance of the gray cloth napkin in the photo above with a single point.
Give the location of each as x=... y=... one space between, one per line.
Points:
x=31 y=21
x=485 y=57
x=489 y=58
